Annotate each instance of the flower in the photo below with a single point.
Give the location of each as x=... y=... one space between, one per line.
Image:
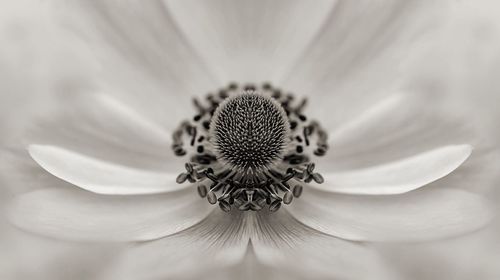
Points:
x=110 y=148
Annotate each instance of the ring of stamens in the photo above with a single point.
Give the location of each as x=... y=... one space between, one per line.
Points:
x=249 y=148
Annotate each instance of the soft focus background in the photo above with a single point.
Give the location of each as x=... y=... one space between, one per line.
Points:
x=37 y=62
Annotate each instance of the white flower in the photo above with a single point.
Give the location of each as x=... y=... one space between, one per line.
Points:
x=110 y=148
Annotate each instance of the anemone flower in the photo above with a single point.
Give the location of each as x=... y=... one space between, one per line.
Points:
x=288 y=190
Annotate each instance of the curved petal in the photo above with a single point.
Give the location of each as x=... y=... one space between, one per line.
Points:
x=250 y=41
x=99 y=176
x=83 y=216
x=220 y=243
x=299 y=252
x=139 y=51
x=401 y=125
x=103 y=127
x=364 y=47
x=400 y=176
x=414 y=216
x=217 y=242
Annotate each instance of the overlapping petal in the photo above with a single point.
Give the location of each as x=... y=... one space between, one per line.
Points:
x=99 y=176
x=401 y=125
x=281 y=242
x=214 y=244
x=400 y=176
x=83 y=216
x=101 y=126
x=250 y=41
x=252 y=243
x=363 y=52
x=415 y=216
x=139 y=51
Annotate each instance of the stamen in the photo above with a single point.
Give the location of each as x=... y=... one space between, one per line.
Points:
x=249 y=148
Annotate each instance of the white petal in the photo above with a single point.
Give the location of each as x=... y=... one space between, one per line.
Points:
x=250 y=41
x=84 y=216
x=99 y=176
x=102 y=127
x=364 y=47
x=414 y=216
x=139 y=51
x=297 y=251
x=401 y=125
x=209 y=247
x=399 y=176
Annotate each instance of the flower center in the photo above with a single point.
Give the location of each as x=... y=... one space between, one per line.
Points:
x=249 y=131
x=250 y=148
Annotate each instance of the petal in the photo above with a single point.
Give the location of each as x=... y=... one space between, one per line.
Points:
x=83 y=216
x=250 y=41
x=139 y=51
x=414 y=216
x=300 y=252
x=364 y=47
x=99 y=176
x=401 y=125
x=103 y=127
x=215 y=243
x=400 y=176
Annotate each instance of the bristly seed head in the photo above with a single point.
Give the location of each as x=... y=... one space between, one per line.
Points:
x=250 y=147
x=249 y=131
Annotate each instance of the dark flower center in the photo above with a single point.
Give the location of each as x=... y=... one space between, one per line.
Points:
x=249 y=131
x=250 y=148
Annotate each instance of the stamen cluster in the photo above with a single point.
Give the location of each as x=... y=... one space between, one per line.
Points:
x=249 y=148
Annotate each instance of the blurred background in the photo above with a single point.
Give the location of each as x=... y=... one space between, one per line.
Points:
x=37 y=59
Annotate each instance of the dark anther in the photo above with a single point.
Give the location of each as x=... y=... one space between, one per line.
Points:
x=249 y=88
x=299 y=149
x=201 y=138
x=225 y=206
x=197 y=118
x=319 y=152
x=189 y=167
x=181 y=178
x=287 y=198
x=310 y=167
x=266 y=86
x=276 y=94
x=223 y=94
x=193 y=138
x=200 y=149
x=202 y=190
x=206 y=125
x=297 y=191
x=303 y=118
x=293 y=124
x=211 y=197
x=233 y=86
x=306 y=133
x=318 y=178
x=178 y=150
x=275 y=205
x=190 y=129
